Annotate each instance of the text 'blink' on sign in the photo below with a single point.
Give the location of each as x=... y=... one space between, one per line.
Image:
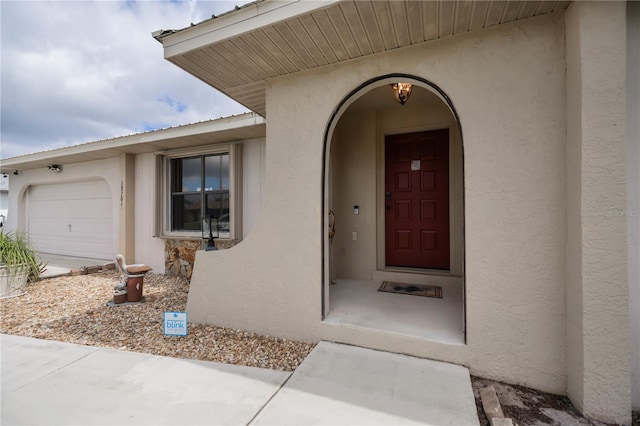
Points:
x=175 y=323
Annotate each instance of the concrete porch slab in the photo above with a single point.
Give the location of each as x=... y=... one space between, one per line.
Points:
x=340 y=384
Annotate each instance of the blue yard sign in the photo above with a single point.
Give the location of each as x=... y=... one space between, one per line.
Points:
x=175 y=323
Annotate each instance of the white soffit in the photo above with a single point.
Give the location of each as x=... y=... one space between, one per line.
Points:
x=237 y=52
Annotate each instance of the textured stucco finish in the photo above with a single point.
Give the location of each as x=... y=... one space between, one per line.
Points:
x=575 y=352
x=597 y=282
x=515 y=226
x=353 y=174
x=127 y=207
x=148 y=249
x=633 y=190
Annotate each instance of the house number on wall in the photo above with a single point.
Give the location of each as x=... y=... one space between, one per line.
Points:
x=69 y=228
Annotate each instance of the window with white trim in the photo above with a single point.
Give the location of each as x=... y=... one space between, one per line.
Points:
x=199 y=189
x=200 y=185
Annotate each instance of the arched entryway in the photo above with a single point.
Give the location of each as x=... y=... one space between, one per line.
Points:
x=394 y=183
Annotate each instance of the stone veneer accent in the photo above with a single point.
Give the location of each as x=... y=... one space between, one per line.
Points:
x=179 y=255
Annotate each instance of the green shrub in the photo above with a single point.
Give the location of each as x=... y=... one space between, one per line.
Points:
x=16 y=253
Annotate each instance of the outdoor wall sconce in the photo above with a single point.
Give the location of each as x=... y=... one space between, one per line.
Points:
x=402 y=91
x=16 y=172
x=55 y=168
x=208 y=225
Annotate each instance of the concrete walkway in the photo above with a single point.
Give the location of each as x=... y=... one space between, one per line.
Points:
x=340 y=384
x=45 y=382
x=58 y=265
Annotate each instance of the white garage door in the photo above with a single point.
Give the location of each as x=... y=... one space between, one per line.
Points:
x=72 y=219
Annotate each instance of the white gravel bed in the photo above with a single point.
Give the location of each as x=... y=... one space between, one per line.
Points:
x=74 y=309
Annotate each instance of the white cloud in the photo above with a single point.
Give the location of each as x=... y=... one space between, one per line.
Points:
x=75 y=72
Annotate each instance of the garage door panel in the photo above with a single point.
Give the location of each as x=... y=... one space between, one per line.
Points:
x=80 y=228
x=93 y=188
x=73 y=219
x=71 y=209
x=68 y=246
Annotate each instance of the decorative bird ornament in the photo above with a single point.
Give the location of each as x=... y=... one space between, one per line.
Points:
x=135 y=269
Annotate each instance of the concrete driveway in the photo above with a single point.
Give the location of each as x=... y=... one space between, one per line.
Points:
x=45 y=382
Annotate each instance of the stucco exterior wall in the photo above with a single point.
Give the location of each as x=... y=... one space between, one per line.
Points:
x=127 y=207
x=149 y=249
x=253 y=183
x=353 y=159
x=575 y=352
x=633 y=190
x=597 y=276
x=507 y=84
x=109 y=170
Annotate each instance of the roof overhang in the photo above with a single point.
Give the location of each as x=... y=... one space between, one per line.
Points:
x=222 y=130
x=239 y=51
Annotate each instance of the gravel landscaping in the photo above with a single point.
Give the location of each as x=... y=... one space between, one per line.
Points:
x=74 y=309
x=530 y=407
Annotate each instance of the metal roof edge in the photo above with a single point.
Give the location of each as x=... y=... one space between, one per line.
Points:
x=237 y=22
x=159 y=35
x=203 y=127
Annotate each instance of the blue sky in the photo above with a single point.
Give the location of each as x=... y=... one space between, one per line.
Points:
x=75 y=72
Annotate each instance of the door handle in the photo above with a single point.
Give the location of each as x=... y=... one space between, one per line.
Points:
x=387 y=196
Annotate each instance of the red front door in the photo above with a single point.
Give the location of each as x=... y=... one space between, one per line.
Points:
x=417 y=199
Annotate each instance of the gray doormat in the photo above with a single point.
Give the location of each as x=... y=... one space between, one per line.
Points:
x=411 y=289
